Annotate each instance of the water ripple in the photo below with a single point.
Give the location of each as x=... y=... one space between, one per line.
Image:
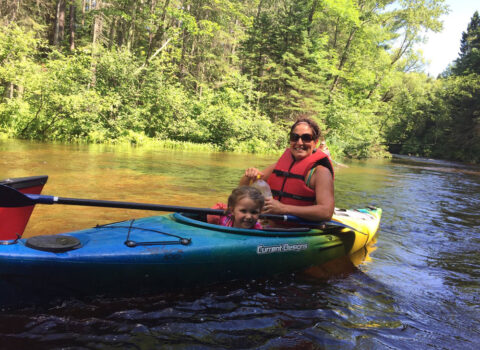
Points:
x=417 y=290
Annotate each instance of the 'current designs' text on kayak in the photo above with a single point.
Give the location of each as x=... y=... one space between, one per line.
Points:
x=281 y=248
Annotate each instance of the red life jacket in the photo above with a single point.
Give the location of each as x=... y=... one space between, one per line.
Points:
x=287 y=180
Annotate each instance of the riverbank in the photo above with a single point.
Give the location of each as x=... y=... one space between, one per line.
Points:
x=141 y=141
x=138 y=140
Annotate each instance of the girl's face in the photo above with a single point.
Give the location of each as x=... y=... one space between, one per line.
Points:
x=245 y=213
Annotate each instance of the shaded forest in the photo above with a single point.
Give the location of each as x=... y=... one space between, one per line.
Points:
x=233 y=74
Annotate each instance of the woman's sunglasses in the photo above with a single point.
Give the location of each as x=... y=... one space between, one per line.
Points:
x=305 y=137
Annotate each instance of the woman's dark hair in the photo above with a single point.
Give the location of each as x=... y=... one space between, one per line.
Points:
x=312 y=123
x=245 y=191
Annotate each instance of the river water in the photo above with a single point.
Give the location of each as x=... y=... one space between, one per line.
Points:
x=417 y=287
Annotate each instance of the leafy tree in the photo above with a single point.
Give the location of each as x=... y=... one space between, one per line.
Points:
x=462 y=132
x=228 y=73
x=415 y=108
x=18 y=49
x=441 y=118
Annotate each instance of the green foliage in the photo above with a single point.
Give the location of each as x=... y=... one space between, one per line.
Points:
x=223 y=118
x=357 y=123
x=412 y=96
x=440 y=118
x=469 y=60
x=61 y=107
x=17 y=54
x=226 y=75
x=288 y=65
x=460 y=124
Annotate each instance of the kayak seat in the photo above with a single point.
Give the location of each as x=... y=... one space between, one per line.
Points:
x=203 y=218
x=289 y=229
x=196 y=216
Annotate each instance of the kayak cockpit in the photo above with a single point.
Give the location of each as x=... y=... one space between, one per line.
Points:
x=199 y=220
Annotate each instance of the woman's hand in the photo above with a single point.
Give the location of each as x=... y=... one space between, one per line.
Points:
x=250 y=175
x=272 y=206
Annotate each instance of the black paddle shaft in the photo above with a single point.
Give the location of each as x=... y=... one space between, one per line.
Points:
x=11 y=198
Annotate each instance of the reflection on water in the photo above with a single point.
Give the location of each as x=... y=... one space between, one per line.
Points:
x=120 y=173
x=415 y=288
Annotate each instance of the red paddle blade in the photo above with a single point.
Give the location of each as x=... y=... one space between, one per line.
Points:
x=14 y=220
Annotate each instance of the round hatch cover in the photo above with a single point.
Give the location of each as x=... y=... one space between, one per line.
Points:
x=53 y=243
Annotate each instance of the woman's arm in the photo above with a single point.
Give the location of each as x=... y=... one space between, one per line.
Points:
x=252 y=173
x=322 y=182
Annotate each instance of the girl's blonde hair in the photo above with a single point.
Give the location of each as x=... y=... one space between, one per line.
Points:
x=245 y=191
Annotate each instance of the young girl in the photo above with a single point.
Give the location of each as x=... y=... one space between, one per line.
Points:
x=243 y=209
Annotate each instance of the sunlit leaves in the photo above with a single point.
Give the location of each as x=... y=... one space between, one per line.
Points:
x=225 y=72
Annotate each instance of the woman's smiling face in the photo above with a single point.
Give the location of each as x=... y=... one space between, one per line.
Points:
x=300 y=148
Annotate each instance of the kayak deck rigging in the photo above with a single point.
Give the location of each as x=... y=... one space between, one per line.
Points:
x=130 y=243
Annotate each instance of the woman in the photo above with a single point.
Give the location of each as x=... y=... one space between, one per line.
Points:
x=302 y=179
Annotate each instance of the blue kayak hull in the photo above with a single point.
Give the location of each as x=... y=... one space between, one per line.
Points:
x=154 y=253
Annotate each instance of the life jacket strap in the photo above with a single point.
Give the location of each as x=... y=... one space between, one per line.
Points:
x=287 y=174
x=293 y=196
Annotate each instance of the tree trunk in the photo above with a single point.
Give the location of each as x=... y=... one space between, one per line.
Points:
x=160 y=32
x=11 y=89
x=72 y=26
x=17 y=8
x=84 y=3
x=151 y=33
x=259 y=8
x=335 y=36
x=182 y=69
x=20 y=90
x=97 y=30
x=344 y=57
x=311 y=14
x=234 y=45
x=120 y=32
x=97 y=25
x=131 y=31
x=59 y=23
x=111 y=36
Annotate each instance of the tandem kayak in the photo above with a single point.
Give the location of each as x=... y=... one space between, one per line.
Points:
x=173 y=250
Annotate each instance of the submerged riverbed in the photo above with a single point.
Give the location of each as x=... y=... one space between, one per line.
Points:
x=415 y=288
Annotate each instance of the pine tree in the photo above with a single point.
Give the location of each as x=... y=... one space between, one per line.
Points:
x=469 y=59
x=287 y=62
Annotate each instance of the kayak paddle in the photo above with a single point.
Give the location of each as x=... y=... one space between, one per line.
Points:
x=11 y=198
